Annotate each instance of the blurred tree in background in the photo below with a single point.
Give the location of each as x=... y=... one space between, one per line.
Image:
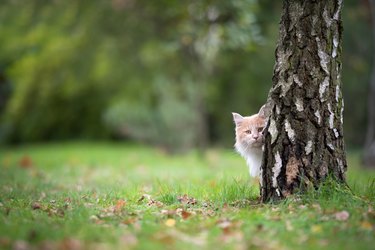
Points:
x=162 y=72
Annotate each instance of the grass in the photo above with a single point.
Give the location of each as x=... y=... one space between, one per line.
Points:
x=117 y=196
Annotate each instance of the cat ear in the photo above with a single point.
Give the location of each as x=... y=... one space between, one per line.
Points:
x=237 y=118
x=265 y=111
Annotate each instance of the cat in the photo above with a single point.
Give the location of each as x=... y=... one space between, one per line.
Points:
x=249 y=139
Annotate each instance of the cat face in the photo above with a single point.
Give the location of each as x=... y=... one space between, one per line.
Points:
x=249 y=130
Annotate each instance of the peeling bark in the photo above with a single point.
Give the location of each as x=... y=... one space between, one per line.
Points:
x=304 y=140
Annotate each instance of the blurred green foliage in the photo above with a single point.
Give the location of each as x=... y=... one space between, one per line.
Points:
x=163 y=72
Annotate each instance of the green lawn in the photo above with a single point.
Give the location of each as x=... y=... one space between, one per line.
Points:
x=117 y=196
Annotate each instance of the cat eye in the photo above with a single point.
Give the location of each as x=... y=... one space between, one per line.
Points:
x=248 y=131
x=260 y=130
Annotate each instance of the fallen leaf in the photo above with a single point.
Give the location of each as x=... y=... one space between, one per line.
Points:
x=227 y=225
x=155 y=203
x=119 y=205
x=144 y=196
x=26 y=162
x=342 y=216
x=55 y=212
x=130 y=221
x=36 y=205
x=151 y=202
x=366 y=225
x=168 y=212
x=170 y=222
x=225 y=208
x=185 y=215
x=208 y=212
x=185 y=199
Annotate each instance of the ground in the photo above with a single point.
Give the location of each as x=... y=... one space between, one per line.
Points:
x=118 y=196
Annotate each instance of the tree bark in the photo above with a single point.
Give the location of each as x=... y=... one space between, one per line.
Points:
x=369 y=150
x=304 y=140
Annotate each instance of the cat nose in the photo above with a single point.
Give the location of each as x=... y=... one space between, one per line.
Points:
x=255 y=136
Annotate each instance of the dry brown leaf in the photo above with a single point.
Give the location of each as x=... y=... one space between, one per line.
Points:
x=144 y=196
x=366 y=225
x=168 y=212
x=225 y=208
x=185 y=215
x=155 y=203
x=68 y=200
x=36 y=205
x=130 y=221
x=342 y=216
x=119 y=205
x=228 y=226
x=151 y=202
x=26 y=162
x=55 y=212
x=185 y=199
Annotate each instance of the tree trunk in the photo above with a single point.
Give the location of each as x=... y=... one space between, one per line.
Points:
x=304 y=136
x=369 y=151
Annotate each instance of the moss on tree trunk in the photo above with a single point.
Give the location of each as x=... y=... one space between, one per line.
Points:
x=304 y=139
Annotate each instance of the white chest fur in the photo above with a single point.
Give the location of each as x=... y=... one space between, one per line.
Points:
x=253 y=157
